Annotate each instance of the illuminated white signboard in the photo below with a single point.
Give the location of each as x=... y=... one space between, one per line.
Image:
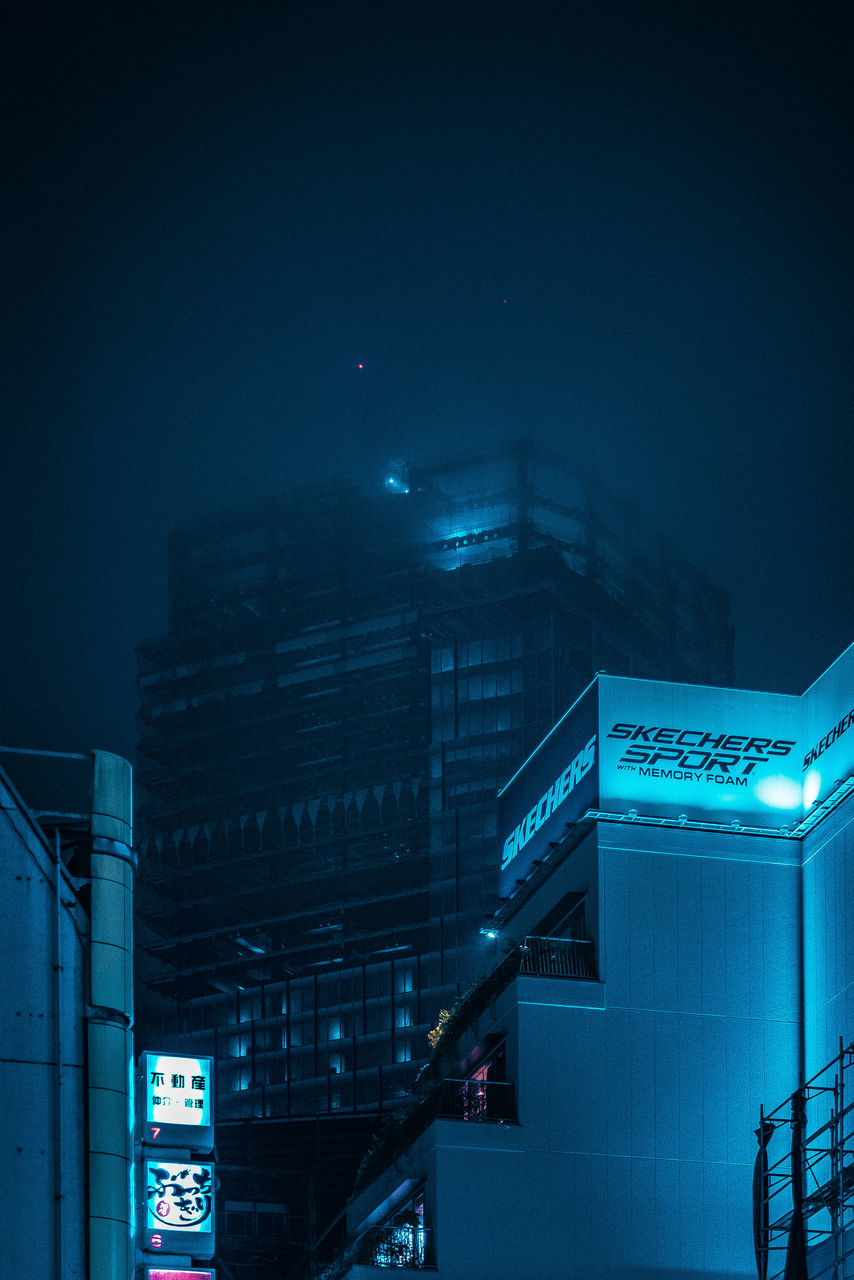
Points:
x=177 y=1095
x=179 y=1207
x=180 y=1273
x=179 y=1196
x=177 y=1090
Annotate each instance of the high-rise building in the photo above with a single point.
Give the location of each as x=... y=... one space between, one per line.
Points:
x=346 y=680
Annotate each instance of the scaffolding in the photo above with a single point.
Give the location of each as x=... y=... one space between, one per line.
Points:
x=803 y=1201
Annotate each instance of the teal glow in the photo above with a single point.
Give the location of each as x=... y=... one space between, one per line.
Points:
x=812 y=787
x=778 y=792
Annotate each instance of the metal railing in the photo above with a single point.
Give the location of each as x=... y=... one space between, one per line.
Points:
x=400 y=1245
x=478 y=1100
x=558 y=958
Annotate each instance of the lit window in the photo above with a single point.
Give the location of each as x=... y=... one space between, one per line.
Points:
x=238 y=1046
x=250 y=1007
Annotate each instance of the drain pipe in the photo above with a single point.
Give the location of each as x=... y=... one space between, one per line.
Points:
x=110 y=1021
x=59 y=1112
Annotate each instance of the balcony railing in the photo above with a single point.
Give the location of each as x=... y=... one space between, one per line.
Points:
x=480 y=1100
x=558 y=958
x=395 y=1246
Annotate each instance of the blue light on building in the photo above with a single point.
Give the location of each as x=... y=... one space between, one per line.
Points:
x=678 y=951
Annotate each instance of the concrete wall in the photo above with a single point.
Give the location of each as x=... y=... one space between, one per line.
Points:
x=828 y=939
x=637 y=1094
x=638 y=1103
x=42 y=1058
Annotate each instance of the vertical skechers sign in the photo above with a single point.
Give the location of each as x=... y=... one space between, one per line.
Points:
x=548 y=803
x=554 y=787
x=827 y=749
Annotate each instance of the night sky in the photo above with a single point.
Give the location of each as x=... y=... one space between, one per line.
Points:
x=624 y=229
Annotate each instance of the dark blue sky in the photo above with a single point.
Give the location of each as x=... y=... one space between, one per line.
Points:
x=218 y=211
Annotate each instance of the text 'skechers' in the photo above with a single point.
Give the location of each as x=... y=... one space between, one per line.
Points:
x=657 y=750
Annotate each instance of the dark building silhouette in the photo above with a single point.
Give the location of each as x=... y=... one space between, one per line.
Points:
x=346 y=681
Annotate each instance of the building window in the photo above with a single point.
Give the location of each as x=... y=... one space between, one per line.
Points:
x=250 y=1006
x=404 y=980
x=239 y=1222
x=240 y=1080
x=248 y=1218
x=474 y=1094
x=403 y=1051
x=270 y=1224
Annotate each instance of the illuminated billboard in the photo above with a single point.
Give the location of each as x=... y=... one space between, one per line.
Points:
x=649 y=749
x=554 y=787
x=827 y=754
x=710 y=755
x=179 y=1207
x=177 y=1099
x=179 y=1273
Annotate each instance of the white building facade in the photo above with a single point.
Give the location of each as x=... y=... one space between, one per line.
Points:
x=678 y=918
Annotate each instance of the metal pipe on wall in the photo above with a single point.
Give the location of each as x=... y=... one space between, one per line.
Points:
x=59 y=1115
x=110 y=1021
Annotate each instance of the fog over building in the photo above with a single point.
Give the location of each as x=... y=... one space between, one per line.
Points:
x=346 y=681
